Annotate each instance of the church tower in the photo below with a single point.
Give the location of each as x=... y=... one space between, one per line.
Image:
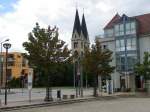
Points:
x=80 y=37
x=79 y=41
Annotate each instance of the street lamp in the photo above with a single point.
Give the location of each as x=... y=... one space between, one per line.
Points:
x=1 y=61
x=6 y=46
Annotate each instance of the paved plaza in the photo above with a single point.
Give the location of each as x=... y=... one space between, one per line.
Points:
x=18 y=95
x=116 y=105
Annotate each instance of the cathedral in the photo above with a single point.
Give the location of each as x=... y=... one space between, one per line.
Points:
x=80 y=37
x=79 y=41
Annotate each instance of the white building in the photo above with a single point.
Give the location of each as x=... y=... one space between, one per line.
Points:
x=128 y=38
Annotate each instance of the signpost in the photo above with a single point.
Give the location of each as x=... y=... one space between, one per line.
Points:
x=30 y=79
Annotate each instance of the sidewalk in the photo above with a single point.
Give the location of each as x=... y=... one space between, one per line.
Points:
x=41 y=102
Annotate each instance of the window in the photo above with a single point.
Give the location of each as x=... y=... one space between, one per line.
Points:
x=130 y=28
x=117 y=45
x=119 y=30
x=120 y=62
x=1 y=58
x=131 y=60
x=81 y=44
x=24 y=62
x=131 y=44
x=133 y=41
x=108 y=32
x=75 y=44
x=104 y=46
x=132 y=25
x=10 y=64
x=122 y=45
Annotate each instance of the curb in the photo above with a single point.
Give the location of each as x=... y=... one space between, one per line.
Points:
x=55 y=103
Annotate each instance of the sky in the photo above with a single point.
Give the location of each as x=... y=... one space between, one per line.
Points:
x=18 y=17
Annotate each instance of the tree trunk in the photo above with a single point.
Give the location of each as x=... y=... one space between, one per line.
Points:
x=95 y=94
x=100 y=84
x=48 y=89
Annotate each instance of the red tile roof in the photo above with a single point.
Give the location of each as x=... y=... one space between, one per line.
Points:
x=143 y=22
x=112 y=22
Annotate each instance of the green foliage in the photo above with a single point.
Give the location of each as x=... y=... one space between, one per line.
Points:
x=14 y=83
x=46 y=51
x=97 y=60
x=61 y=78
x=144 y=68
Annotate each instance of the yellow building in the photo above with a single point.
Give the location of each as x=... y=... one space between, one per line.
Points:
x=17 y=65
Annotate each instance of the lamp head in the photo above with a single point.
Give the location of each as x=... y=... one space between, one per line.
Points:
x=6 y=45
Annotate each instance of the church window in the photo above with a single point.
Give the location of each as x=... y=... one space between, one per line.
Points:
x=81 y=44
x=75 y=44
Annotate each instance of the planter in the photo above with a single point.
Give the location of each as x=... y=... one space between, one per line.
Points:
x=65 y=96
x=72 y=96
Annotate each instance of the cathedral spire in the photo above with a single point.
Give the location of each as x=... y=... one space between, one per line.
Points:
x=77 y=26
x=84 y=27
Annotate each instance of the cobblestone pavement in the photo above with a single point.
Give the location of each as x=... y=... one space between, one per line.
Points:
x=119 y=105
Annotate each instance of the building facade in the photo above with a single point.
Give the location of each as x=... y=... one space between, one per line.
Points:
x=17 y=65
x=128 y=38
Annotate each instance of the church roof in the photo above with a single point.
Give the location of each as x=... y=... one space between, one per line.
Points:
x=77 y=26
x=84 y=28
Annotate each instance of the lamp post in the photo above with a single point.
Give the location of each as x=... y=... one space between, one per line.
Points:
x=1 y=61
x=6 y=46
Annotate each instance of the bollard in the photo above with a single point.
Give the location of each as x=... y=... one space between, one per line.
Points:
x=72 y=96
x=65 y=96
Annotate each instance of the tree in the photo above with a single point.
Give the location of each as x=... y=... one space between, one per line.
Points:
x=47 y=52
x=97 y=62
x=143 y=69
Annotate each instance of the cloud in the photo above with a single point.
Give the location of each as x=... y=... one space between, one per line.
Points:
x=19 y=22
